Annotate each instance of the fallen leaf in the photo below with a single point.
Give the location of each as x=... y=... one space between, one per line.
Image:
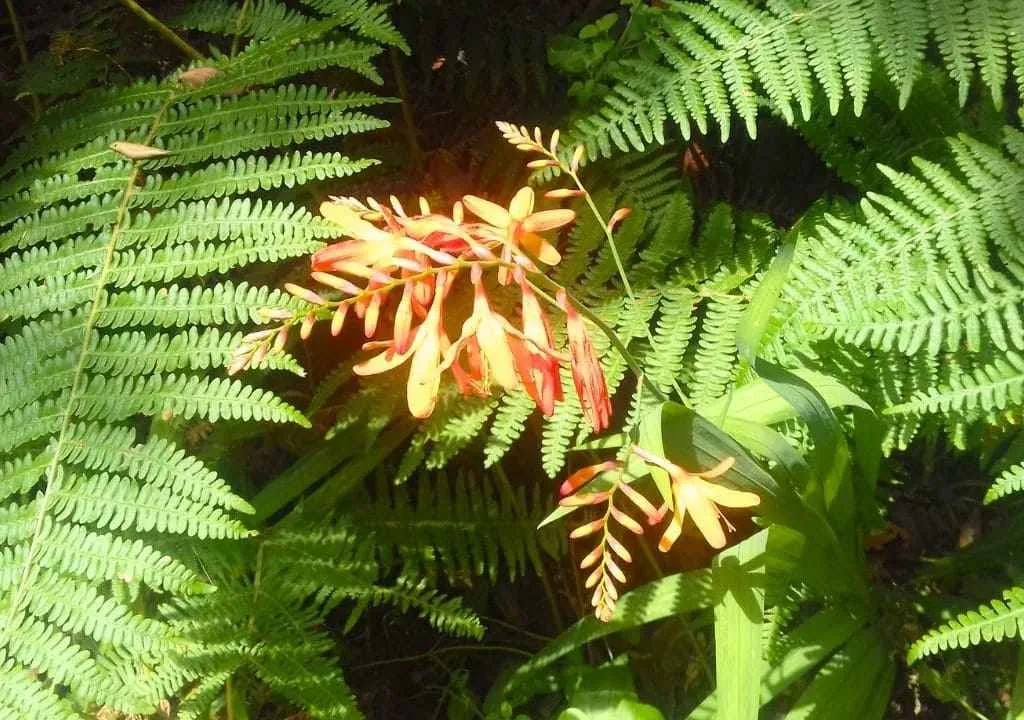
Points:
x=135 y=151
x=198 y=76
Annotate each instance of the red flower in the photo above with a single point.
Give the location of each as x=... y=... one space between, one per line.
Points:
x=587 y=375
x=537 y=360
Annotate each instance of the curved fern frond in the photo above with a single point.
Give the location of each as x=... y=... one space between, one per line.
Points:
x=1009 y=482
x=992 y=622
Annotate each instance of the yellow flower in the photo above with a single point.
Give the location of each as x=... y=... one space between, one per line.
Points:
x=520 y=225
x=693 y=494
x=425 y=350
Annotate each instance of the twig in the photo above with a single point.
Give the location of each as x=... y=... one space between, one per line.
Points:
x=19 y=40
x=160 y=28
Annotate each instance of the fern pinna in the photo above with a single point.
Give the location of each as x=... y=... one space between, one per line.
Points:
x=124 y=217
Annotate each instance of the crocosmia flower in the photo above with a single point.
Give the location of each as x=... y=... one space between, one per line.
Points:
x=587 y=375
x=693 y=494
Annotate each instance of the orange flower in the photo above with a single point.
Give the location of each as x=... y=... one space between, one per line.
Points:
x=426 y=348
x=587 y=375
x=520 y=226
x=584 y=475
x=694 y=494
x=538 y=363
x=488 y=331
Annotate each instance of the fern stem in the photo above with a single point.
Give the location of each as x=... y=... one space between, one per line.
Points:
x=164 y=31
x=19 y=40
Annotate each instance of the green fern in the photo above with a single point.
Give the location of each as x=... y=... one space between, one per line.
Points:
x=476 y=524
x=1009 y=482
x=702 y=63
x=926 y=283
x=992 y=622
x=96 y=339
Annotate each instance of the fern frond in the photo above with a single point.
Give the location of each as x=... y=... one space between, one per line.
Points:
x=260 y=20
x=675 y=327
x=509 y=424
x=1010 y=481
x=96 y=342
x=446 y=614
x=992 y=622
x=715 y=361
x=475 y=525
x=895 y=259
x=701 y=62
x=989 y=388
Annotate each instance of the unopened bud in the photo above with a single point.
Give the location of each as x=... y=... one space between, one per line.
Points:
x=561 y=193
x=577 y=156
x=307 y=326
x=304 y=294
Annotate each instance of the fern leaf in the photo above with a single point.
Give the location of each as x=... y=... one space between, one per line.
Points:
x=997 y=620
x=1010 y=481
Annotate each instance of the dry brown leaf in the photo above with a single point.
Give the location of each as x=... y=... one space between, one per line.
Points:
x=198 y=76
x=135 y=151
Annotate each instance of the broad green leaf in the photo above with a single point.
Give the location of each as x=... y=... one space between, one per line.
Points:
x=763 y=441
x=809 y=645
x=846 y=686
x=831 y=454
x=759 y=402
x=738 y=632
x=759 y=312
x=606 y=693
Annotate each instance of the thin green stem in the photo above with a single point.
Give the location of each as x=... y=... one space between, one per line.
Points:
x=229 y=699
x=19 y=40
x=164 y=31
x=453 y=648
x=596 y=212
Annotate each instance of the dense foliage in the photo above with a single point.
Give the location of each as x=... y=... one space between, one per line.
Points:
x=757 y=304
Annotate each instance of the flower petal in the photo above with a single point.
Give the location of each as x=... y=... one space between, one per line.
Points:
x=386 y=361
x=424 y=376
x=727 y=497
x=548 y=220
x=487 y=211
x=704 y=513
x=584 y=475
x=522 y=203
x=540 y=248
x=656 y=460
